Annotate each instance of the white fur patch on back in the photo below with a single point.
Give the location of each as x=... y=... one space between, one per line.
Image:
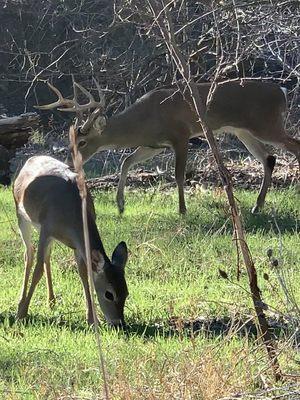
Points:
x=45 y=165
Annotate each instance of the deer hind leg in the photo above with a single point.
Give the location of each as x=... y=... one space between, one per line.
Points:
x=47 y=269
x=25 y=228
x=139 y=155
x=260 y=152
x=290 y=144
x=43 y=247
x=82 y=270
x=181 y=150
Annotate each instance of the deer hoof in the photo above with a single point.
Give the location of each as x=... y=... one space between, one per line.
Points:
x=121 y=207
x=182 y=210
x=90 y=321
x=22 y=312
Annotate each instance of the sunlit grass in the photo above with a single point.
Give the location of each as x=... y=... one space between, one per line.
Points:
x=172 y=272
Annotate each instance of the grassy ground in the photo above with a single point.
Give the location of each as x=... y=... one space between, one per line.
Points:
x=172 y=275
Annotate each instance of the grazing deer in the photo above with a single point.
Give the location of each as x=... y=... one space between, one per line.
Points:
x=254 y=111
x=46 y=196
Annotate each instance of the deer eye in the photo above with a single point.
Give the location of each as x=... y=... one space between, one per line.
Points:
x=81 y=143
x=109 y=296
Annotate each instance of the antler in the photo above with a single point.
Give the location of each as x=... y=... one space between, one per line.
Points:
x=73 y=105
x=100 y=92
x=60 y=102
x=69 y=105
x=76 y=107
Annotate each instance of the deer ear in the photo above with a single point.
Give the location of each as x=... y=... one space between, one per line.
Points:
x=120 y=255
x=97 y=261
x=100 y=123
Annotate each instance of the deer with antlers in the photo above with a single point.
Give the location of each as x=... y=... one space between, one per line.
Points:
x=253 y=111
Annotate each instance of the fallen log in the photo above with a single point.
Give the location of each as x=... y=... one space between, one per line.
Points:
x=15 y=131
x=4 y=166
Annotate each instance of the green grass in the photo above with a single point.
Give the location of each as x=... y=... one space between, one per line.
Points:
x=172 y=273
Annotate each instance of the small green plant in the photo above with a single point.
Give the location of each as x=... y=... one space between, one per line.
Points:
x=37 y=137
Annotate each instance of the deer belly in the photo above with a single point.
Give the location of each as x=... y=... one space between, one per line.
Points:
x=228 y=129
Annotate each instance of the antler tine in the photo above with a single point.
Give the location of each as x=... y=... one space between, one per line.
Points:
x=82 y=107
x=56 y=91
x=99 y=106
x=86 y=92
x=79 y=114
x=100 y=92
x=60 y=102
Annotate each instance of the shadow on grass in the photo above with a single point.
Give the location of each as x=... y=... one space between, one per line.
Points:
x=10 y=319
x=286 y=222
x=209 y=328
x=263 y=221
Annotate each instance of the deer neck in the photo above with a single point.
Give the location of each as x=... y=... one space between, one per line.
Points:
x=120 y=131
x=120 y=123
x=95 y=240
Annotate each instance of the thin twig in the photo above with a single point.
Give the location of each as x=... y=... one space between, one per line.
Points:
x=77 y=162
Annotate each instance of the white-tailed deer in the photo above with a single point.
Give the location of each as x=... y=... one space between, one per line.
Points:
x=254 y=111
x=46 y=196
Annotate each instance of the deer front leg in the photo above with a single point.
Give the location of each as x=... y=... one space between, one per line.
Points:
x=139 y=155
x=82 y=270
x=181 y=157
x=290 y=144
x=268 y=165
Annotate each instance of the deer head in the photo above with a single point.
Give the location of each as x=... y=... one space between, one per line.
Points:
x=88 y=127
x=110 y=284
